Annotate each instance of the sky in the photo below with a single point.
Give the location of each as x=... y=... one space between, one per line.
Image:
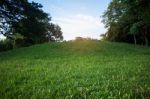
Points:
x=77 y=17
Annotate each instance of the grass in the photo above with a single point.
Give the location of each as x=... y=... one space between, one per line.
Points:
x=78 y=70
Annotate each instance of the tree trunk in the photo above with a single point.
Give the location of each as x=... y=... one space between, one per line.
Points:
x=146 y=41
x=14 y=44
x=134 y=39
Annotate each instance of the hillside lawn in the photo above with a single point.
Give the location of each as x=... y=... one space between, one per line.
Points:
x=76 y=70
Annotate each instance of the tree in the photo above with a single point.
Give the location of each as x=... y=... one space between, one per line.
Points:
x=111 y=19
x=34 y=24
x=127 y=18
x=55 y=32
x=10 y=11
x=28 y=20
x=134 y=30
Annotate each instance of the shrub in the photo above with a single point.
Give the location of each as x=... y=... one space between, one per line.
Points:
x=5 y=45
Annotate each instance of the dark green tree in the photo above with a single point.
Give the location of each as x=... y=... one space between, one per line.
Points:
x=34 y=25
x=55 y=32
x=128 y=21
x=10 y=11
x=28 y=20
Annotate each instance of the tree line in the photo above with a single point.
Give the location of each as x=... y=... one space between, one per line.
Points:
x=24 y=23
x=128 y=21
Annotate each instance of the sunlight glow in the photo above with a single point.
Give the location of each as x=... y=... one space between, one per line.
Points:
x=80 y=25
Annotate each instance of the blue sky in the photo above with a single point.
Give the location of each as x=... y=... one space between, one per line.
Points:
x=77 y=17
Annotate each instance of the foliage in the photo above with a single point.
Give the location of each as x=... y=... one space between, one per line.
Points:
x=135 y=28
x=90 y=69
x=5 y=45
x=84 y=39
x=28 y=20
x=55 y=33
x=10 y=11
x=124 y=18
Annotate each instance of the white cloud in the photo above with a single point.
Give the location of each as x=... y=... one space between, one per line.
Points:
x=80 y=25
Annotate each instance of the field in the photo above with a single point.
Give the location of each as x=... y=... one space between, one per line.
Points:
x=78 y=70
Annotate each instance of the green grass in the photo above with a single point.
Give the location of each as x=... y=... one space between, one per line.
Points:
x=78 y=70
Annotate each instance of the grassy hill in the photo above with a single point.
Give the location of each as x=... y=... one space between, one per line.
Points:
x=82 y=69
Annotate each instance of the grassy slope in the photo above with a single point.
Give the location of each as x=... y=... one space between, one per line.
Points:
x=76 y=70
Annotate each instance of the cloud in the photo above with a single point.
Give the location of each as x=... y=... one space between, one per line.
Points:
x=80 y=25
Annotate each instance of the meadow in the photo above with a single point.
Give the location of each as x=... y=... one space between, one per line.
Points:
x=76 y=70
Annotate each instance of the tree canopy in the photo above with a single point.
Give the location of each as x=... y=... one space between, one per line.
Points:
x=28 y=20
x=128 y=21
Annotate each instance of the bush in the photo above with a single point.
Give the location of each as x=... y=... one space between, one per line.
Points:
x=5 y=45
x=23 y=43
